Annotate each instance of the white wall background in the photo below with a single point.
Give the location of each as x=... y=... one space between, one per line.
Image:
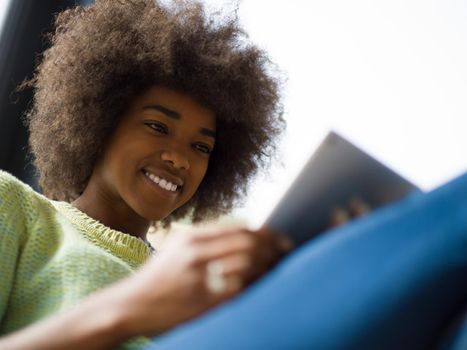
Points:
x=389 y=75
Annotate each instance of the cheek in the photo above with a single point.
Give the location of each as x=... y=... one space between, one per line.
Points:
x=119 y=162
x=201 y=172
x=197 y=177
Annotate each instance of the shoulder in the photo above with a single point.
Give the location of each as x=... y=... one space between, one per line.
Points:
x=12 y=188
x=16 y=196
x=20 y=207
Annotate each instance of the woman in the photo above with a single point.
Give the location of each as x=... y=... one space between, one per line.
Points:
x=142 y=114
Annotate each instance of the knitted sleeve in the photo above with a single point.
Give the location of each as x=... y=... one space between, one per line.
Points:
x=12 y=231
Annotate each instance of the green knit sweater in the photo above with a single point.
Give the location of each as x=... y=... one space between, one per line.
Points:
x=52 y=255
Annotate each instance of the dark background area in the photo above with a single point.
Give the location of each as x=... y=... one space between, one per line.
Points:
x=22 y=39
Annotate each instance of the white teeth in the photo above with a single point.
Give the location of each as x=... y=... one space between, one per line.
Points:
x=167 y=185
x=154 y=178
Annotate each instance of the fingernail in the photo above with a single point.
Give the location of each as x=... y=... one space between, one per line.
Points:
x=285 y=243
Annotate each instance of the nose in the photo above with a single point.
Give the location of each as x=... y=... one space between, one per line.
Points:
x=176 y=159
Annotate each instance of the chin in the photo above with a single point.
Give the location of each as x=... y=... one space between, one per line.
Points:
x=154 y=216
x=147 y=211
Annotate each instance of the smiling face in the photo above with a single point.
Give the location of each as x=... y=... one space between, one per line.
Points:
x=158 y=154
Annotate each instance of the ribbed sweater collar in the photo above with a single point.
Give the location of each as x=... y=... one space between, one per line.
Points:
x=127 y=247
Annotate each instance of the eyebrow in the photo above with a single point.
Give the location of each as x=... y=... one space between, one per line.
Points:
x=208 y=132
x=175 y=115
x=168 y=112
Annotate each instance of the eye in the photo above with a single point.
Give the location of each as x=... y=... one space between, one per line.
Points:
x=203 y=148
x=158 y=127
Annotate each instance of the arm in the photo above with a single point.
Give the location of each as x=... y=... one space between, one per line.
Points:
x=169 y=290
x=94 y=324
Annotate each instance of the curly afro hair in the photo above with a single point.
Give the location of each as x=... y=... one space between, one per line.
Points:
x=102 y=56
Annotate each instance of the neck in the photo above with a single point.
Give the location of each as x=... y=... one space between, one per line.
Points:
x=112 y=212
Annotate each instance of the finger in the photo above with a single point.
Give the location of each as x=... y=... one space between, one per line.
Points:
x=247 y=263
x=339 y=216
x=282 y=242
x=264 y=239
x=237 y=264
x=244 y=267
x=213 y=232
x=270 y=248
x=358 y=207
x=221 y=246
x=221 y=280
x=232 y=286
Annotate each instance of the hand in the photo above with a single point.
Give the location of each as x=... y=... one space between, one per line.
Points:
x=172 y=288
x=355 y=208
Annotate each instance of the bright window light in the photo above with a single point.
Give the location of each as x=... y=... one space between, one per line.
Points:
x=389 y=75
x=4 y=6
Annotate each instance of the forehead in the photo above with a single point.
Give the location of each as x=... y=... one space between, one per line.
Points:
x=185 y=106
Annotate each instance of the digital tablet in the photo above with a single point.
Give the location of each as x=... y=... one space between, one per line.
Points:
x=335 y=174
